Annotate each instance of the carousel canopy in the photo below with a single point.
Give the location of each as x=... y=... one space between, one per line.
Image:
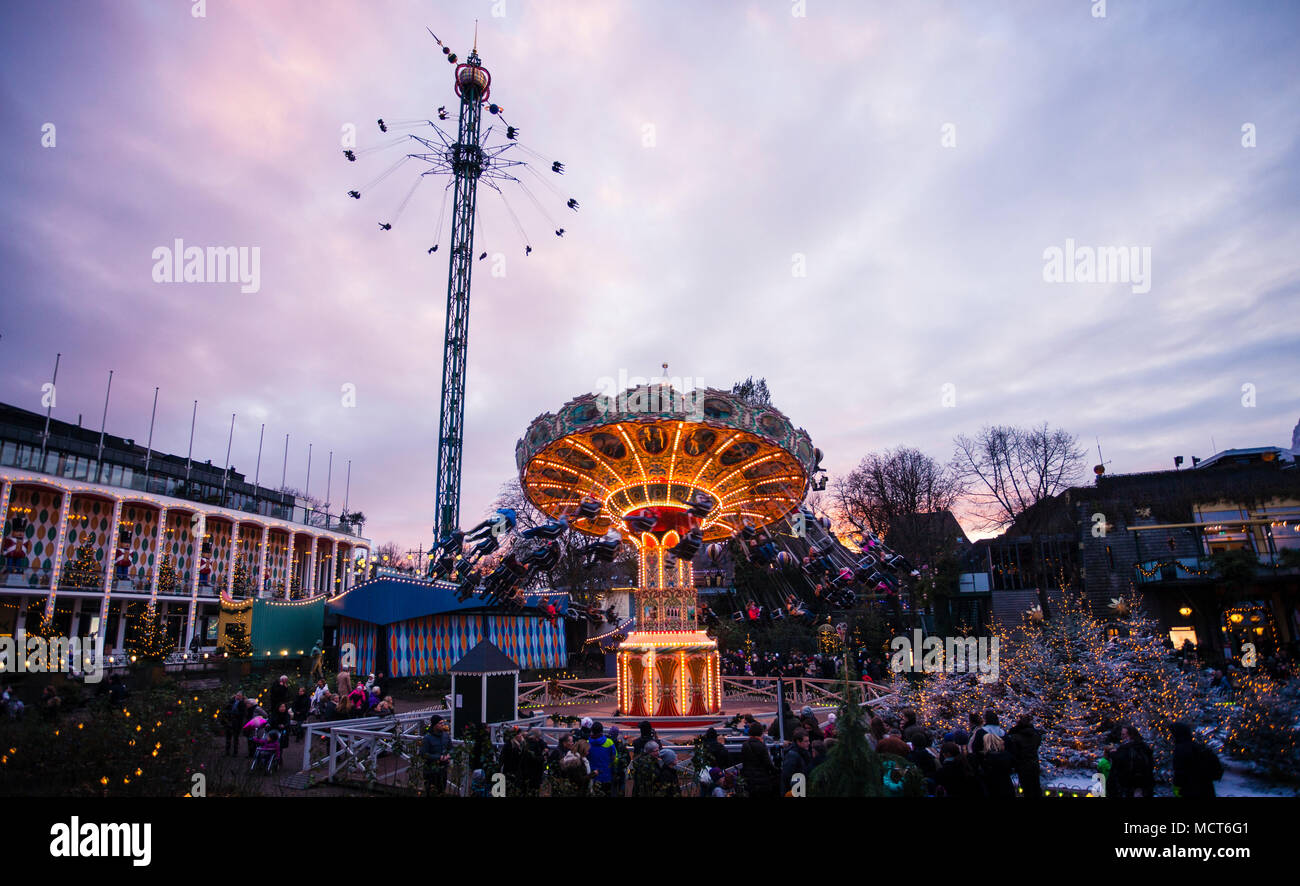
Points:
x=656 y=448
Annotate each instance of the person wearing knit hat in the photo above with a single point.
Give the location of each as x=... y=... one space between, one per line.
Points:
x=667 y=782
x=436 y=751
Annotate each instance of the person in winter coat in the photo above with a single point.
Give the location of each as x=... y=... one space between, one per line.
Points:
x=954 y=778
x=808 y=720
x=990 y=727
x=618 y=768
x=436 y=751
x=534 y=762
x=235 y=721
x=756 y=765
x=600 y=754
x=576 y=769
x=280 y=693
x=280 y=721
x=1132 y=770
x=1022 y=744
x=797 y=761
x=1196 y=767
x=920 y=755
x=714 y=751
x=667 y=782
x=647 y=734
x=646 y=776
x=996 y=768
x=512 y=762
x=790 y=720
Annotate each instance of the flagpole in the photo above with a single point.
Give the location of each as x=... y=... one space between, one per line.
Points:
x=257 y=474
x=54 y=393
x=190 y=453
x=225 y=473
x=148 y=453
x=103 y=423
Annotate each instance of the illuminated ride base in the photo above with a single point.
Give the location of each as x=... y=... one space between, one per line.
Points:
x=668 y=667
x=653 y=451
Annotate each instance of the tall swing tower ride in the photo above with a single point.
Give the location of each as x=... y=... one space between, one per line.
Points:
x=466 y=158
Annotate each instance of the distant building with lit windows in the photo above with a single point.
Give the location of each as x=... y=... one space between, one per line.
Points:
x=95 y=530
x=1160 y=535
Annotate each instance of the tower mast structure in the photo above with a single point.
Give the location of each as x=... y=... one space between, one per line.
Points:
x=466 y=156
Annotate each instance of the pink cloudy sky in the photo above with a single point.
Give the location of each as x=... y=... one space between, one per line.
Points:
x=773 y=135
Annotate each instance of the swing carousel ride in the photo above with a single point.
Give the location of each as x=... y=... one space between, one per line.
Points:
x=670 y=484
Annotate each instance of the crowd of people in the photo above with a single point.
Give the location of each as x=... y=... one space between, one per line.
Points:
x=983 y=759
x=280 y=710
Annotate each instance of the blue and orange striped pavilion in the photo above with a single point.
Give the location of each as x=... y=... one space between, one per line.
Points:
x=405 y=627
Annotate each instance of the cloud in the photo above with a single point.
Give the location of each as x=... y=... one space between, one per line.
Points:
x=769 y=136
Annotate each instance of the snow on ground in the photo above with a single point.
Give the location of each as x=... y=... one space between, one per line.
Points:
x=1239 y=780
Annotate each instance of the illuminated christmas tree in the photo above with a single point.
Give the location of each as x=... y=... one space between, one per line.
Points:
x=82 y=571
x=149 y=640
x=1263 y=726
x=1153 y=691
x=241 y=584
x=238 y=642
x=167 y=579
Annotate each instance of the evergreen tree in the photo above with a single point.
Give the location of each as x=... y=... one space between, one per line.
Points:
x=1152 y=689
x=851 y=768
x=149 y=641
x=43 y=626
x=1263 y=726
x=238 y=642
x=83 y=571
x=241 y=584
x=167 y=579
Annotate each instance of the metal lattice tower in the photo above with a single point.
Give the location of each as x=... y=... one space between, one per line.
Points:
x=466 y=157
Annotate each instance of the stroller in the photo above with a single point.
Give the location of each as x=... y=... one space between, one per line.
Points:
x=266 y=751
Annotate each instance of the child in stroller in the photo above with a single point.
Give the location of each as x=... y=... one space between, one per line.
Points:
x=267 y=751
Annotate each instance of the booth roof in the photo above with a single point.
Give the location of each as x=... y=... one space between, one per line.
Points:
x=485 y=658
x=384 y=601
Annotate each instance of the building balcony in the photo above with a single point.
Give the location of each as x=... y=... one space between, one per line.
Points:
x=26 y=579
x=1204 y=568
x=1174 y=569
